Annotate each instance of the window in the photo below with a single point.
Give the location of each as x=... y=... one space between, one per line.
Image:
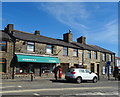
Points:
x=82 y=71
x=104 y=70
x=110 y=57
x=75 y=52
x=2 y=65
x=104 y=57
x=87 y=71
x=30 y=46
x=49 y=49
x=95 y=55
x=3 y=46
x=89 y=54
x=65 y=51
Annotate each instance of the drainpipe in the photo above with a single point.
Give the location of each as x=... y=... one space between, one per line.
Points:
x=83 y=57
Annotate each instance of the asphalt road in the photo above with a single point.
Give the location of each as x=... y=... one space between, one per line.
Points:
x=61 y=87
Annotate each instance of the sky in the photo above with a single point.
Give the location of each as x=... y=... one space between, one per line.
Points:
x=97 y=21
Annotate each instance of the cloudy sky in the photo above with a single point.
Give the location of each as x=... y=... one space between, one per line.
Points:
x=98 y=21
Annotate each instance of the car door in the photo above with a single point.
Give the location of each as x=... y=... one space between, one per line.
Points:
x=83 y=74
x=89 y=75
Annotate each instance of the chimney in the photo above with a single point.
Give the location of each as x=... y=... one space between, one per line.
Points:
x=10 y=27
x=67 y=37
x=82 y=40
x=37 y=32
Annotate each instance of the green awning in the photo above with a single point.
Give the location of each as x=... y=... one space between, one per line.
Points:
x=38 y=59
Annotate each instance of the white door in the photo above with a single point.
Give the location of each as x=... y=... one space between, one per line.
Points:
x=88 y=75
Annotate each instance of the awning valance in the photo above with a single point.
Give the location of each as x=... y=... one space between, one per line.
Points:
x=38 y=59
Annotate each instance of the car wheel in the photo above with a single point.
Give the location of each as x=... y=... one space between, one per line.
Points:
x=79 y=80
x=94 y=79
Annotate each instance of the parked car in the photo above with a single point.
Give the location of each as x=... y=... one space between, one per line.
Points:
x=79 y=74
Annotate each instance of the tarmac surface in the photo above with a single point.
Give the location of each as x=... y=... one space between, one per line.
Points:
x=49 y=87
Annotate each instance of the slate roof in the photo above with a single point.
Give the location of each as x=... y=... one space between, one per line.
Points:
x=42 y=39
x=84 y=46
x=101 y=49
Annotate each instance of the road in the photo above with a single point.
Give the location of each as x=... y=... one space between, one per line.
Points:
x=61 y=87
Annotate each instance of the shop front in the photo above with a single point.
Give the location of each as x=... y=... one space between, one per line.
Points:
x=38 y=65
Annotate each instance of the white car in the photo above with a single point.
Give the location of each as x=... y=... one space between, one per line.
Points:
x=79 y=74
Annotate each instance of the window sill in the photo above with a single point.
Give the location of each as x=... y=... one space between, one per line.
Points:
x=3 y=51
x=75 y=56
x=65 y=55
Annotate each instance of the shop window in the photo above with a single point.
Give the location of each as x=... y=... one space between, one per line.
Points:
x=2 y=65
x=89 y=54
x=49 y=49
x=30 y=46
x=24 y=68
x=104 y=57
x=65 y=51
x=95 y=55
x=3 y=46
x=75 y=52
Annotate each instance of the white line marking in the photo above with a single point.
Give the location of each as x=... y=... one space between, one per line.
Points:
x=19 y=86
x=99 y=93
x=11 y=86
x=36 y=94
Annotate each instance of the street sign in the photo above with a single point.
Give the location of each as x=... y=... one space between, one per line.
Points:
x=107 y=63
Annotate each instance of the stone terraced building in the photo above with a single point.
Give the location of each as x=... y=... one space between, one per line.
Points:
x=23 y=52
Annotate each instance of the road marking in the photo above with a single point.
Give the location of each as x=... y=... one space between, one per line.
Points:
x=36 y=94
x=52 y=89
x=10 y=86
x=98 y=93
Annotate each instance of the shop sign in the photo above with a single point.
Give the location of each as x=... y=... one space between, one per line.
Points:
x=29 y=59
x=52 y=61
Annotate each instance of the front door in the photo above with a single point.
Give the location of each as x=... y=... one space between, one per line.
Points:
x=92 y=67
x=98 y=70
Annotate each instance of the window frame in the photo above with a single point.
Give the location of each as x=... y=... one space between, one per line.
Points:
x=65 y=51
x=32 y=44
x=95 y=55
x=49 y=47
x=110 y=57
x=88 y=54
x=3 y=63
x=3 y=44
x=104 y=57
x=75 y=52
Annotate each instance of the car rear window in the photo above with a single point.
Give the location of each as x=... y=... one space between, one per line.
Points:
x=71 y=70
